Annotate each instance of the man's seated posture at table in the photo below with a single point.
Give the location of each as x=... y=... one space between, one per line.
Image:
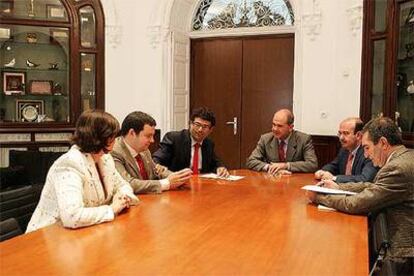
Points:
x=392 y=191
x=283 y=150
x=350 y=165
x=83 y=187
x=133 y=159
x=192 y=148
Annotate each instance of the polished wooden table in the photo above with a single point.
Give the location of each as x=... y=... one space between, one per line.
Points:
x=259 y=225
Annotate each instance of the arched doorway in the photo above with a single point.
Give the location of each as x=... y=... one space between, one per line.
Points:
x=173 y=27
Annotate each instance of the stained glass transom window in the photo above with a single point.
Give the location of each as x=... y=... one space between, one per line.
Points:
x=225 y=14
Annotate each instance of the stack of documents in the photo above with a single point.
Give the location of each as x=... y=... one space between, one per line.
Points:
x=323 y=190
x=215 y=176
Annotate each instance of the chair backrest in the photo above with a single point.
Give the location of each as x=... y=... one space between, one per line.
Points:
x=19 y=204
x=9 y=228
x=380 y=236
x=35 y=163
x=381 y=243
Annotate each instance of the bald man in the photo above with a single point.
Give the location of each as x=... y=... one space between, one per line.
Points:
x=350 y=165
x=284 y=150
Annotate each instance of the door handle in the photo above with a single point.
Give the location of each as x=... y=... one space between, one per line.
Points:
x=234 y=123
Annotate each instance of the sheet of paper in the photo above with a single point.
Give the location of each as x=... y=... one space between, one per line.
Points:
x=215 y=176
x=319 y=189
x=324 y=208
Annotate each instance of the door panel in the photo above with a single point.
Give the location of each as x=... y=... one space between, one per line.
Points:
x=216 y=83
x=267 y=86
x=247 y=78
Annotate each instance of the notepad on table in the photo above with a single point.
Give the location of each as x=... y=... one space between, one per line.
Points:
x=215 y=176
x=319 y=189
x=324 y=208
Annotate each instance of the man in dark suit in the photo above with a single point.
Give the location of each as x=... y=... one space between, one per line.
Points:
x=391 y=193
x=350 y=165
x=284 y=150
x=191 y=148
x=133 y=159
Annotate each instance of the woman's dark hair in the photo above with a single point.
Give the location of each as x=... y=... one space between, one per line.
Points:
x=205 y=114
x=94 y=130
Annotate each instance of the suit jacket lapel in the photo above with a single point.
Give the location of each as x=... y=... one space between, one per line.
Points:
x=204 y=153
x=273 y=147
x=291 y=149
x=357 y=159
x=128 y=157
x=186 y=148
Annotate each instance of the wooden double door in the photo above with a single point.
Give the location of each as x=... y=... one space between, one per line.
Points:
x=244 y=81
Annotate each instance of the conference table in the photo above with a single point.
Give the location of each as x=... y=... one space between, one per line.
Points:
x=259 y=225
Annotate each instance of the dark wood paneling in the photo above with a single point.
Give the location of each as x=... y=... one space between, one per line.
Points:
x=267 y=85
x=248 y=78
x=74 y=60
x=391 y=37
x=326 y=148
x=216 y=83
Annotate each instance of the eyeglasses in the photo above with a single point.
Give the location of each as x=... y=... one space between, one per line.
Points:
x=199 y=125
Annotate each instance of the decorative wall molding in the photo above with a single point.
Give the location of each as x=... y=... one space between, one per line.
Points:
x=158 y=35
x=15 y=137
x=355 y=18
x=113 y=28
x=243 y=31
x=64 y=136
x=312 y=22
x=53 y=149
x=113 y=35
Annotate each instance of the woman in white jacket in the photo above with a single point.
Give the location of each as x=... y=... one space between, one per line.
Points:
x=83 y=187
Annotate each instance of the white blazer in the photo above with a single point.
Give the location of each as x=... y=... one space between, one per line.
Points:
x=73 y=193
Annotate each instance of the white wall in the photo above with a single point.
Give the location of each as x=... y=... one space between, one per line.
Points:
x=132 y=66
x=327 y=66
x=331 y=68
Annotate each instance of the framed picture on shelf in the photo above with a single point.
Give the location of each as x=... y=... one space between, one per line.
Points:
x=40 y=87
x=29 y=110
x=31 y=37
x=14 y=83
x=6 y=7
x=59 y=36
x=55 y=11
x=5 y=33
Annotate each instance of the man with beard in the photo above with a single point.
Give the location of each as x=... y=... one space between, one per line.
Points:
x=391 y=192
x=350 y=165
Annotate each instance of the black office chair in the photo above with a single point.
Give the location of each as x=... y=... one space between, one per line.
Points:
x=19 y=204
x=9 y=228
x=380 y=243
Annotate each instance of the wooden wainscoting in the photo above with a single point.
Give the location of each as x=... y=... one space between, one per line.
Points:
x=326 y=148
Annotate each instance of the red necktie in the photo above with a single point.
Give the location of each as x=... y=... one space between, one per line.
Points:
x=195 y=158
x=281 y=151
x=348 y=168
x=141 y=167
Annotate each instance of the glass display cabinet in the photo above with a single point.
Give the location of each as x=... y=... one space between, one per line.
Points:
x=51 y=52
x=388 y=63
